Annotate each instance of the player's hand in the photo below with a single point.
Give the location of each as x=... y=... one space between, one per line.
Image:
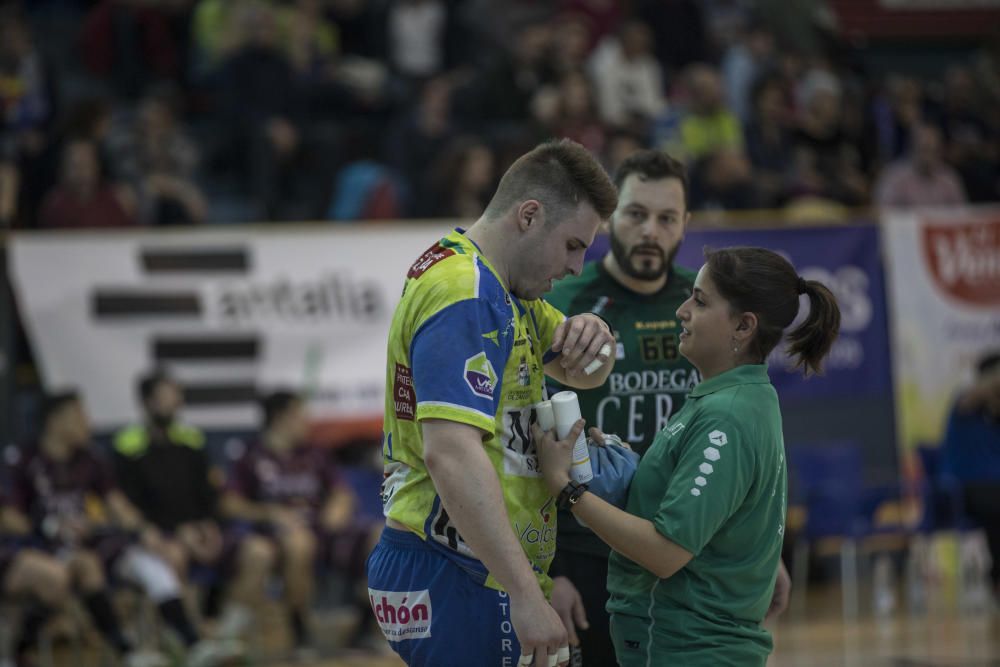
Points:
x=568 y=604
x=782 y=591
x=555 y=457
x=580 y=340
x=539 y=631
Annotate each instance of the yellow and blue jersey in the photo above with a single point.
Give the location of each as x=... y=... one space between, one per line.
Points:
x=463 y=349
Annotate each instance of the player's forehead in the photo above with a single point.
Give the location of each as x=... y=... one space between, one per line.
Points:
x=658 y=195
x=578 y=222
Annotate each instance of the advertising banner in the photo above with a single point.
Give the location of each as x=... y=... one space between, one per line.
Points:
x=944 y=288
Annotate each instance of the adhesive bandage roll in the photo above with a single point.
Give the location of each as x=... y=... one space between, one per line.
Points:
x=566 y=409
x=597 y=363
x=546 y=419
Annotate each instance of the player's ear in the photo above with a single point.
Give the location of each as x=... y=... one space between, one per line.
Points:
x=529 y=214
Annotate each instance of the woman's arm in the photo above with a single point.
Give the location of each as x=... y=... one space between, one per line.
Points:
x=634 y=537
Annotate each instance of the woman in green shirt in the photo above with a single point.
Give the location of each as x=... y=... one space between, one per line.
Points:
x=697 y=552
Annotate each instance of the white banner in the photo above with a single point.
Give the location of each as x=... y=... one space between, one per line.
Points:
x=944 y=288
x=228 y=312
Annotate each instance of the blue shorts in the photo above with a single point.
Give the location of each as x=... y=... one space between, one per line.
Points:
x=434 y=611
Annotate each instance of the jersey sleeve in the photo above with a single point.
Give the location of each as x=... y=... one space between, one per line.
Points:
x=545 y=317
x=712 y=476
x=458 y=357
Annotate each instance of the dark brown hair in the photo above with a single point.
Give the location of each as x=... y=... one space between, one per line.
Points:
x=763 y=282
x=559 y=174
x=652 y=165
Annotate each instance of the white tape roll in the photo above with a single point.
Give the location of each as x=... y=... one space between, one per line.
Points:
x=525 y=660
x=553 y=659
x=597 y=363
x=543 y=412
x=563 y=654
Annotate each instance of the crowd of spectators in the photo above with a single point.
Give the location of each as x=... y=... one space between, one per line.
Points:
x=163 y=112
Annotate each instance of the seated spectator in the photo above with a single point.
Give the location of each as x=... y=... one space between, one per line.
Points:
x=723 y=181
x=567 y=110
x=769 y=140
x=28 y=106
x=83 y=198
x=923 y=179
x=75 y=510
x=742 y=66
x=260 y=109
x=158 y=160
x=972 y=452
x=826 y=163
x=164 y=470
x=289 y=493
x=706 y=125
x=29 y=577
x=627 y=78
x=461 y=180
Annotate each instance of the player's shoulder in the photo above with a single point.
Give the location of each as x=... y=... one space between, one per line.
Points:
x=450 y=272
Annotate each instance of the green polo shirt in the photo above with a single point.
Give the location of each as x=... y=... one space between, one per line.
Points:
x=713 y=482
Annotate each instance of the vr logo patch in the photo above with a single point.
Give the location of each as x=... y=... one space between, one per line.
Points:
x=480 y=376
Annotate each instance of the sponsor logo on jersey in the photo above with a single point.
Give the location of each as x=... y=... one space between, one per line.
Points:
x=402 y=615
x=653 y=326
x=431 y=256
x=964 y=260
x=480 y=376
x=403 y=399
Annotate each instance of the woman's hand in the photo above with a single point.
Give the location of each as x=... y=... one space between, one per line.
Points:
x=555 y=457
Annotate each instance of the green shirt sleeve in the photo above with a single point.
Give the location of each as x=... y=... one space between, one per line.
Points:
x=713 y=474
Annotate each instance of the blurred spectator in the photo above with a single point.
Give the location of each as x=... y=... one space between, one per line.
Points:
x=803 y=26
x=567 y=110
x=27 y=108
x=155 y=157
x=972 y=452
x=706 y=125
x=679 y=34
x=742 y=65
x=260 y=112
x=619 y=145
x=769 y=139
x=312 y=41
x=421 y=133
x=600 y=17
x=827 y=165
x=896 y=111
x=135 y=42
x=29 y=577
x=502 y=94
x=571 y=43
x=83 y=198
x=923 y=179
x=69 y=496
x=416 y=35
x=164 y=470
x=289 y=492
x=723 y=180
x=972 y=142
x=365 y=188
x=628 y=78
x=461 y=181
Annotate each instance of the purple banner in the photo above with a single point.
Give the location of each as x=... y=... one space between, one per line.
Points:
x=847 y=260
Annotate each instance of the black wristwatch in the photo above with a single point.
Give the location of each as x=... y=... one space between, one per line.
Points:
x=570 y=495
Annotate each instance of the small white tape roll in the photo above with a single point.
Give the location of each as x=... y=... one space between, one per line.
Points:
x=563 y=654
x=553 y=659
x=597 y=363
x=526 y=660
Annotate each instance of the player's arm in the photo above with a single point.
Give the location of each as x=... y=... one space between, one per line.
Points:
x=579 y=342
x=470 y=490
